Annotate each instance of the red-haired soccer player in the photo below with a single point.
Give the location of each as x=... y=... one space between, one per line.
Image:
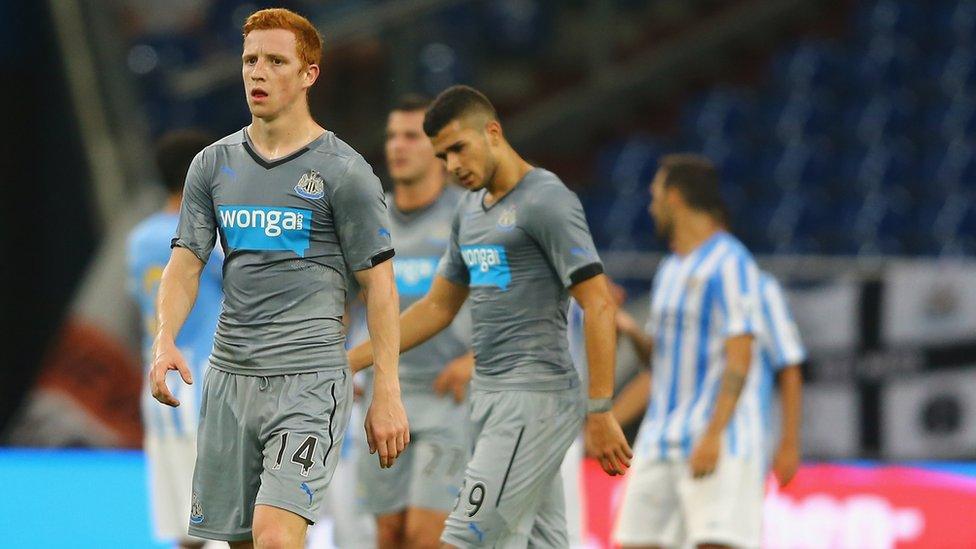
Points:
x=295 y=209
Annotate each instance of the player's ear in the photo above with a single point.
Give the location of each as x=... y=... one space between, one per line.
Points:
x=493 y=129
x=311 y=74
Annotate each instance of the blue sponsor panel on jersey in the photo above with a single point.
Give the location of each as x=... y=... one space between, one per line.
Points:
x=414 y=275
x=487 y=265
x=266 y=228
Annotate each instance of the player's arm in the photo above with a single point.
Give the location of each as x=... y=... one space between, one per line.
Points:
x=786 y=461
x=738 y=357
x=605 y=439
x=633 y=398
x=737 y=300
x=387 y=432
x=177 y=292
x=196 y=234
x=421 y=321
x=642 y=343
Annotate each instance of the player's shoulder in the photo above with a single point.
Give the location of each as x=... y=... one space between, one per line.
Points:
x=331 y=147
x=540 y=181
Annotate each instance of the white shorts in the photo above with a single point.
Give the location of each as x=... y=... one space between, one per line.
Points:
x=664 y=506
x=170 y=460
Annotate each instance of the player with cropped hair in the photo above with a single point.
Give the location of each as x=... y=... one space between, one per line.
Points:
x=519 y=246
x=296 y=210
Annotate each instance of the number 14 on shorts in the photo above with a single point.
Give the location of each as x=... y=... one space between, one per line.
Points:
x=302 y=456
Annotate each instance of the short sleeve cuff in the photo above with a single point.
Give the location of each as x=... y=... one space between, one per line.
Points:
x=180 y=243
x=584 y=273
x=374 y=260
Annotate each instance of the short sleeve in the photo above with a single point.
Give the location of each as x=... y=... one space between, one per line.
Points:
x=558 y=225
x=783 y=336
x=197 y=228
x=452 y=266
x=361 y=218
x=737 y=280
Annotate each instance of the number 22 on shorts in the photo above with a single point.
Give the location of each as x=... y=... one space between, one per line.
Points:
x=302 y=456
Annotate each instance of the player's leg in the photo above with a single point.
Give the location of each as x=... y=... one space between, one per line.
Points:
x=305 y=418
x=276 y=528
x=440 y=451
x=650 y=511
x=550 y=528
x=723 y=510
x=572 y=486
x=523 y=438
x=391 y=529
x=229 y=459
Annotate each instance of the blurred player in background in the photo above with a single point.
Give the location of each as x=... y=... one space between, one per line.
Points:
x=171 y=434
x=697 y=477
x=520 y=245
x=782 y=354
x=297 y=210
x=411 y=500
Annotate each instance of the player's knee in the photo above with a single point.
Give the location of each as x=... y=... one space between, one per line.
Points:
x=273 y=536
x=418 y=538
x=389 y=535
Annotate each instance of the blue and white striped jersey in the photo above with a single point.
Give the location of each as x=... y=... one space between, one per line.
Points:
x=698 y=301
x=779 y=345
x=148 y=252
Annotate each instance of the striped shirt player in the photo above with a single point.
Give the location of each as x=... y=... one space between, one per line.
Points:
x=698 y=302
x=170 y=433
x=780 y=346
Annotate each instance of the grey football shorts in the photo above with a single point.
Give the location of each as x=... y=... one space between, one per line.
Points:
x=428 y=473
x=512 y=494
x=270 y=440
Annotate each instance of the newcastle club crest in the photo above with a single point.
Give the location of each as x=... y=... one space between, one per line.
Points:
x=311 y=185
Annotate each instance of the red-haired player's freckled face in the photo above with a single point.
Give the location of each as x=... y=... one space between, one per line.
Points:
x=274 y=76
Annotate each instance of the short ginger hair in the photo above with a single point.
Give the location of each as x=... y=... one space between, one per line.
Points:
x=308 y=41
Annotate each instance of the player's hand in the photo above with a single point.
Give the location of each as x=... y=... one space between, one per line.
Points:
x=626 y=324
x=704 y=458
x=455 y=376
x=605 y=441
x=786 y=462
x=166 y=357
x=387 y=430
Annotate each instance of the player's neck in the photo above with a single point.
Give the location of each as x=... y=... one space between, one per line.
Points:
x=692 y=231
x=510 y=170
x=414 y=195
x=173 y=203
x=286 y=133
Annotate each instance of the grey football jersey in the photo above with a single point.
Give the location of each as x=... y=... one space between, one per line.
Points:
x=292 y=230
x=518 y=257
x=421 y=236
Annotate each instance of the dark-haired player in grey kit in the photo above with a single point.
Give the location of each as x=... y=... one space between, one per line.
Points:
x=520 y=246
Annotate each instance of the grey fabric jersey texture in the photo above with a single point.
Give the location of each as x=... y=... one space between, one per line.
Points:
x=421 y=236
x=519 y=256
x=292 y=231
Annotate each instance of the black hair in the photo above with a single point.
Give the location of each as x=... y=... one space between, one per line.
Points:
x=696 y=179
x=453 y=103
x=174 y=153
x=411 y=102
